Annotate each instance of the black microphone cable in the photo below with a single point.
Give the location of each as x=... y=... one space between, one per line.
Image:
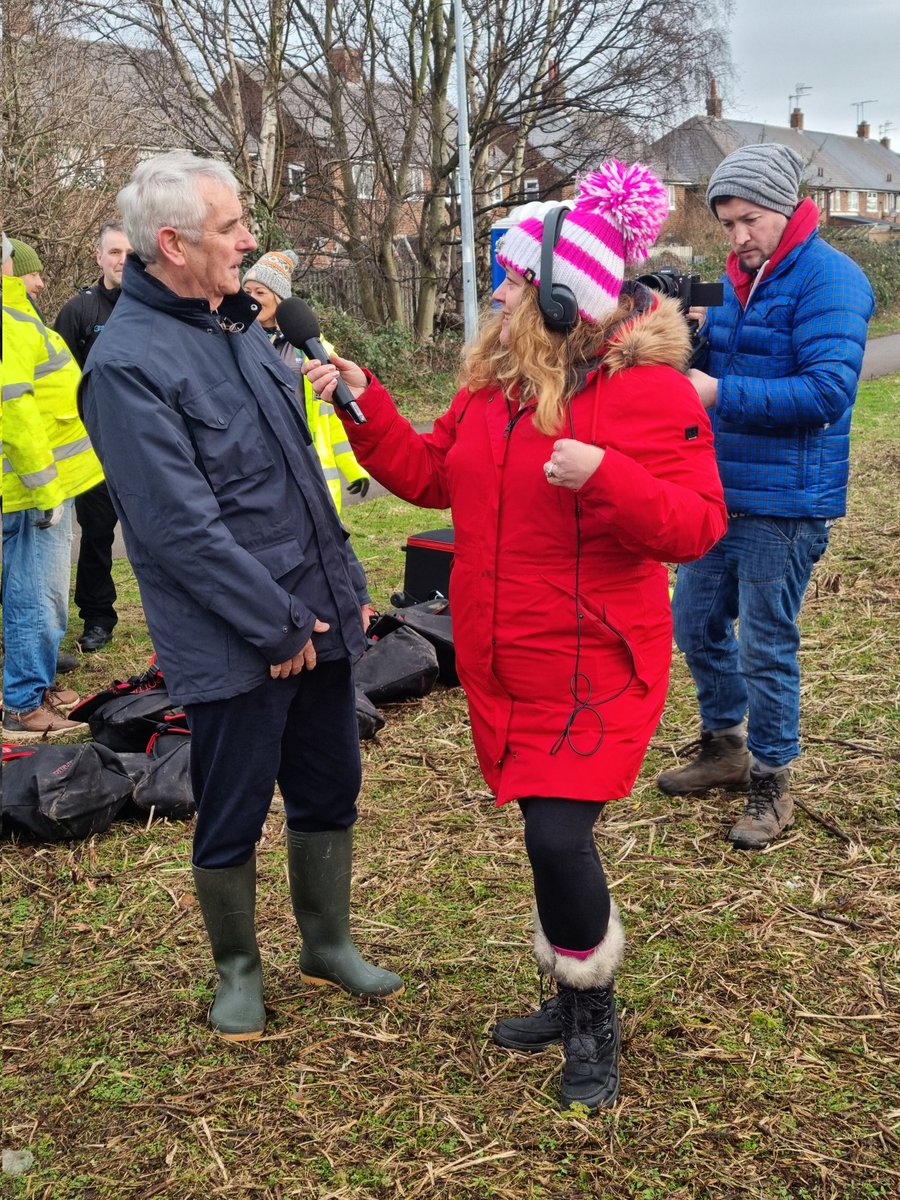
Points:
x=578 y=680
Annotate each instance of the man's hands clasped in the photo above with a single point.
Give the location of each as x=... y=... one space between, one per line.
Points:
x=304 y=659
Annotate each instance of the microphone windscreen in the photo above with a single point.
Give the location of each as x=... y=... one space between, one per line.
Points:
x=297 y=321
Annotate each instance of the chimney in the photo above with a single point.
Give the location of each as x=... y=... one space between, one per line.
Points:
x=713 y=103
x=554 y=91
x=347 y=63
x=863 y=129
x=886 y=142
x=797 y=119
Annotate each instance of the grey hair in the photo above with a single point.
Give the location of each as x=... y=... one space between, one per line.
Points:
x=163 y=193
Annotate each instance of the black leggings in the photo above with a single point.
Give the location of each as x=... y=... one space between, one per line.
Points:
x=569 y=884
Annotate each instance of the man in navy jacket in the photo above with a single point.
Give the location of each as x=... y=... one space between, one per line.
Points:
x=250 y=589
x=785 y=353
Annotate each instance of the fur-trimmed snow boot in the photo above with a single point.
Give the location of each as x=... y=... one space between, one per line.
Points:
x=228 y=902
x=319 y=866
x=587 y=1015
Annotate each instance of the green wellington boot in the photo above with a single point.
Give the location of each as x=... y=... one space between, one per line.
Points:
x=319 y=867
x=228 y=902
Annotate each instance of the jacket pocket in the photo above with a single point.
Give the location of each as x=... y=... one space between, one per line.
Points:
x=604 y=633
x=280 y=559
x=225 y=435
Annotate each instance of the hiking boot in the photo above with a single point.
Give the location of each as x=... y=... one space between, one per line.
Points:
x=537 y=1031
x=722 y=761
x=769 y=811
x=39 y=724
x=60 y=698
x=66 y=662
x=591 y=1043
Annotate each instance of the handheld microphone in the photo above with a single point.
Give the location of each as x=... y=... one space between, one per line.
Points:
x=300 y=326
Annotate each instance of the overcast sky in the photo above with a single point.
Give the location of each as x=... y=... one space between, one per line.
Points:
x=844 y=50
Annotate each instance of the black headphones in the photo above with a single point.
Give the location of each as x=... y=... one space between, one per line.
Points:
x=557 y=303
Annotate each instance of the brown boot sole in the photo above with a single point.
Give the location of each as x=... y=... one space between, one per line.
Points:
x=42 y=735
x=318 y=981
x=253 y=1036
x=740 y=845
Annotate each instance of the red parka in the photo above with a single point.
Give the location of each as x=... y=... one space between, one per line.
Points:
x=561 y=616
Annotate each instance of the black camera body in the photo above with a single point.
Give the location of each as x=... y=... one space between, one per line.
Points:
x=690 y=292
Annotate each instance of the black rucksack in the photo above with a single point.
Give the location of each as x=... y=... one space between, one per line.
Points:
x=125 y=715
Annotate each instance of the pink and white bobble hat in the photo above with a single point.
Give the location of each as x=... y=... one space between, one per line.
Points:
x=618 y=213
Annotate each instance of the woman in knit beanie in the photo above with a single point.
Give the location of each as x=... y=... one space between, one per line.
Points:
x=576 y=458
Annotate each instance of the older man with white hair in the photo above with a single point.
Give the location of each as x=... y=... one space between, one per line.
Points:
x=250 y=590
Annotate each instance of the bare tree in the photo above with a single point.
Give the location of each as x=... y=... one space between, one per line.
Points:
x=61 y=166
x=205 y=48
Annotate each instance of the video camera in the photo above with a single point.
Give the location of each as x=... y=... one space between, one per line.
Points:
x=690 y=293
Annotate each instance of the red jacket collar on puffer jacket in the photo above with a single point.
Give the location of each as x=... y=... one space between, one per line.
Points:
x=803 y=222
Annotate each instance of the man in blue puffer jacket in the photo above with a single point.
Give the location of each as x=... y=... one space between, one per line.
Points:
x=785 y=353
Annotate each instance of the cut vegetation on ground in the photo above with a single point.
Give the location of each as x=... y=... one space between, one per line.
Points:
x=760 y=996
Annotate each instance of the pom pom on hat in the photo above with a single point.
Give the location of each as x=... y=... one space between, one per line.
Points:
x=631 y=197
x=274 y=271
x=619 y=211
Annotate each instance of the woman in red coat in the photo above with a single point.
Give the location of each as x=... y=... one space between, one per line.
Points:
x=576 y=459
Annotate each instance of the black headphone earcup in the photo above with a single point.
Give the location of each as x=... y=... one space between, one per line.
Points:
x=557 y=303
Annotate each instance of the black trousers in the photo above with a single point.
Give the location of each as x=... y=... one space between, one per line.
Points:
x=95 y=592
x=300 y=732
x=569 y=885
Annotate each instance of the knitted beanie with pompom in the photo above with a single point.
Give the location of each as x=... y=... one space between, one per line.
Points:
x=618 y=213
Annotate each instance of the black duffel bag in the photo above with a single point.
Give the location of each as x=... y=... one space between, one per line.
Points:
x=432 y=620
x=402 y=665
x=368 y=718
x=57 y=793
x=162 y=781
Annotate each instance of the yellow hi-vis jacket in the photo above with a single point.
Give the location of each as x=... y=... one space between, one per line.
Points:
x=326 y=430
x=47 y=455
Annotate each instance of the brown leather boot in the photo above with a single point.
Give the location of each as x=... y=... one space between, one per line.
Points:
x=769 y=811
x=722 y=760
x=38 y=725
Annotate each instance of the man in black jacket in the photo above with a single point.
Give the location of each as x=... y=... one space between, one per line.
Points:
x=80 y=322
x=251 y=591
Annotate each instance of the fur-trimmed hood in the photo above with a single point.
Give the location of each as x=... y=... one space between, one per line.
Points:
x=658 y=336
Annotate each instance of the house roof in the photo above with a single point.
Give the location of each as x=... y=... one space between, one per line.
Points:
x=691 y=152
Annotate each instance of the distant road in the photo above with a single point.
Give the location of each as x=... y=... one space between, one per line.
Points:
x=882 y=357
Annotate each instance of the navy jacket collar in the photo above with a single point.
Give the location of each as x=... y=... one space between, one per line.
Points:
x=239 y=309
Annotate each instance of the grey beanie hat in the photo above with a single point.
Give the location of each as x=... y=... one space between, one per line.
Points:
x=766 y=173
x=274 y=271
x=7 y=248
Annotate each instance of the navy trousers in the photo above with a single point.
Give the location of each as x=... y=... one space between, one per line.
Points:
x=300 y=733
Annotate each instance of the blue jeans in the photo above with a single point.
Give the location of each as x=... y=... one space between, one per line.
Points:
x=37 y=569
x=756 y=574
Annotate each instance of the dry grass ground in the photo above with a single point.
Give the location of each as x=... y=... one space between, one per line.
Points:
x=760 y=997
